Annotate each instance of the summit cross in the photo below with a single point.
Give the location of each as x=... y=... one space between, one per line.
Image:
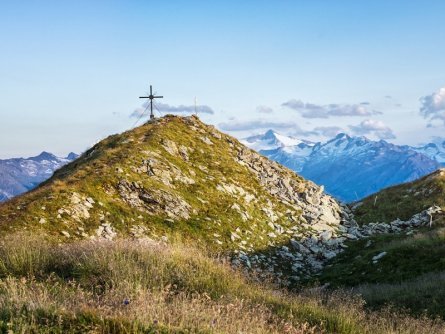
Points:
x=151 y=97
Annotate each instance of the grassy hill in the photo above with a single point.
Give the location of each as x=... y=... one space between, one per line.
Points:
x=174 y=175
x=175 y=227
x=178 y=178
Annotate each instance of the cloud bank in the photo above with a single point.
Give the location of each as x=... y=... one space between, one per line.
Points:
x=328 y=131
x=373 y=127
x=310 y=110
x=166 y=108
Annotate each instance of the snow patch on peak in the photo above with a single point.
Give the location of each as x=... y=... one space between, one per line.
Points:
x=271 y=140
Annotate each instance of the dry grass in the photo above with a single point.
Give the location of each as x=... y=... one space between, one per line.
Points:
x=145 y=287
x=171 y=310
x=422 y=295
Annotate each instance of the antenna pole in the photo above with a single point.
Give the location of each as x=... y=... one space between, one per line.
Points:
x=196 y=110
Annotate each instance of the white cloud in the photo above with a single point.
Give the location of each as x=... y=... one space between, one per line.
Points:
x=373 y=127
x=310 y=110
x=166 y=108
x=433 y=106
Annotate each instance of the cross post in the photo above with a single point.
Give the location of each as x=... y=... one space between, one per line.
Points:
x=151 y=97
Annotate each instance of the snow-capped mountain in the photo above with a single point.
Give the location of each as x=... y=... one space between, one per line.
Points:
x=19 y=175
x=289 y=151
x=435 y=151
x=350 y=168
x=270 y=140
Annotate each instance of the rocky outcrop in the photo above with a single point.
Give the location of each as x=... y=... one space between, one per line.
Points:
x=307 y=253
x=317 y=207
x=106 y=231
x=153 y=201
x=78 y=209
x=424 y=218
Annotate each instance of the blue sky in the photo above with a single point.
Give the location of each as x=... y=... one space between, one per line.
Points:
x=71 y=72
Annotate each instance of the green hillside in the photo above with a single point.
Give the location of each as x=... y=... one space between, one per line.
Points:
x=403 y=201
x=410 y=274
x=174 y=175
x=177 y=178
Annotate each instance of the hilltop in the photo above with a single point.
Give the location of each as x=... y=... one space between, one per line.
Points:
x=177 y=177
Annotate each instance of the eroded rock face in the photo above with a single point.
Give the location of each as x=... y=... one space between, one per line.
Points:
x=106 y=231
x=78 y=209
x=153 y=200
x=164 y=172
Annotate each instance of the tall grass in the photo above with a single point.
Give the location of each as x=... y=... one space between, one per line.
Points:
x=422 y=295
x=145 y=287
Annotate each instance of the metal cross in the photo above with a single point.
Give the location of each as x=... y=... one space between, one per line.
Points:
x=151 y=97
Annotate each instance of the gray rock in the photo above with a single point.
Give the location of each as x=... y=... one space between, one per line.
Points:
x=378 y=256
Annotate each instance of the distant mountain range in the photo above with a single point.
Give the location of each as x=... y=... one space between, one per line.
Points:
x=350 y=168
x=19 y=175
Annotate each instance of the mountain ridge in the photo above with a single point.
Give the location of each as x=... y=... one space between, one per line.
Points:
x=19 y=175
x=350 y=168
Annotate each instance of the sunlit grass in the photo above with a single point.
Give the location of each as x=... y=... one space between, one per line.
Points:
x=143 y=287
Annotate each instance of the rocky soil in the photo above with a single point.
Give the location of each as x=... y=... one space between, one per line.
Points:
x=307 y=253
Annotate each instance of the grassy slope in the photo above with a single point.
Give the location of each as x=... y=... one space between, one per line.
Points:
x=83 y=286
x=403 y=201
x=410 y=276
x=95 y=175
x=400 y=276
